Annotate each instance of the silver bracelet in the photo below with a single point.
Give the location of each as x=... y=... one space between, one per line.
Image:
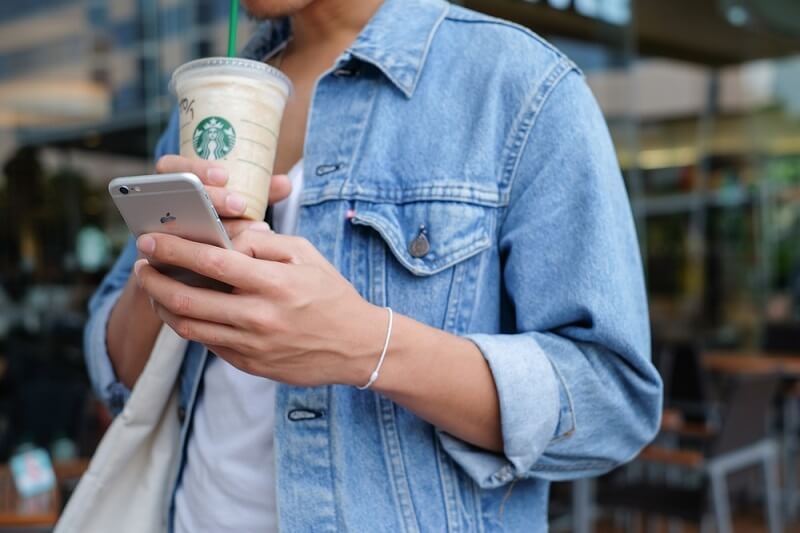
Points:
x=374 y=376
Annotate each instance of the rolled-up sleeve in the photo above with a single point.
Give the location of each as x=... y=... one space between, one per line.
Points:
x=524 y=437
x=104 y=379
x=577 y=391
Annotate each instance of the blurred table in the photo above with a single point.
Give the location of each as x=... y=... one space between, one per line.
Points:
x=730 y=362
x=40 y=511
x=787 y=366
x=15 y=511
x=70 y=470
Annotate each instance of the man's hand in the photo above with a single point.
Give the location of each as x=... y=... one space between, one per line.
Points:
x=291 y=317
x=229 y=205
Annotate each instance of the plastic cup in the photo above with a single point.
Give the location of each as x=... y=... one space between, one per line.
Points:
x=230 y=111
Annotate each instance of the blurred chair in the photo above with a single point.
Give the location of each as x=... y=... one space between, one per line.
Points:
x=781 y=337
x=686 y=384
x=692 y=483
x=559 y=509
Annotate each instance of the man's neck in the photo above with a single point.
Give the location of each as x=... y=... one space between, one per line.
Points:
x=331 y=25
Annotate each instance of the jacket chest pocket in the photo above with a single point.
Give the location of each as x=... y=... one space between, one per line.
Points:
x=425 y=257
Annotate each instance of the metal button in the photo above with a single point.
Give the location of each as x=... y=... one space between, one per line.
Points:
x=420 y=246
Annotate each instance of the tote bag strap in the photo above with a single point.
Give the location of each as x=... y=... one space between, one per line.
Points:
x=123 y=489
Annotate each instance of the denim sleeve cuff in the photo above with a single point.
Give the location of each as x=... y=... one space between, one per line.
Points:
x=530 y=393
x=106 y=385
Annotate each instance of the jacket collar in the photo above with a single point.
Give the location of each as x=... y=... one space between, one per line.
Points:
x=396 y=40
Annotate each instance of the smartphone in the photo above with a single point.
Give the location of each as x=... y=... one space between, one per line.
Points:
x=176 y=204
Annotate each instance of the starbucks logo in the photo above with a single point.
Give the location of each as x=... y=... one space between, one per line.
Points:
x=214 y=138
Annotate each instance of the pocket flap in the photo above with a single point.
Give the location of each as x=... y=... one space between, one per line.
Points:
x=453 y=231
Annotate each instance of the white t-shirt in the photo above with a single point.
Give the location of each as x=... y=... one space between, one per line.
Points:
x=228 y=481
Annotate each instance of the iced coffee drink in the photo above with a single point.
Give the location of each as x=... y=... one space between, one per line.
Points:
x=230 y=111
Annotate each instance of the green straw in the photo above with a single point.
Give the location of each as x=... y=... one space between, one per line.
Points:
x=232 y=28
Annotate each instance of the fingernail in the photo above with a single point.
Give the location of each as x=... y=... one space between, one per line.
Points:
x=217 y=176
x=137 y=266
x=261 y=226
x=146 y=244
x=235 y=203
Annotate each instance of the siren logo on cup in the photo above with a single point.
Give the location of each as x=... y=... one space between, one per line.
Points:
x=214 y=138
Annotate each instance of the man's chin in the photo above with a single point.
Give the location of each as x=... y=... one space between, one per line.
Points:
x=270 y=9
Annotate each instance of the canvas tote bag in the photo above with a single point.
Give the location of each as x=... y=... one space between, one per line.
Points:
x=126 y=486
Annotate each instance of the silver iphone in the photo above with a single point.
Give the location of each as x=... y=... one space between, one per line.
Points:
x=171 y=203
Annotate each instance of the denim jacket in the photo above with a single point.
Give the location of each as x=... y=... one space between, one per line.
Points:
x=457 y=169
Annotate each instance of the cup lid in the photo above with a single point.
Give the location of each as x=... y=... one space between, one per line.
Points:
x=234 y=66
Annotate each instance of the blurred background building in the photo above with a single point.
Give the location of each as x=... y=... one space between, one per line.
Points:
x=702 y=98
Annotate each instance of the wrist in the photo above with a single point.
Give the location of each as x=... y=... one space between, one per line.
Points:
x=364 y=354
x=137 y=302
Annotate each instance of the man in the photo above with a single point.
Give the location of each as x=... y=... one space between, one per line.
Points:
x=455 y=169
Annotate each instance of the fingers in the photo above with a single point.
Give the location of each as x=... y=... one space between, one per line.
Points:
x=279 y=188
x=199 y=330
x=215 y=177
x=227 y=266
x=235 y=226
x=190 y=302
x=227 y=203
x=270 y=246
x=210 y=172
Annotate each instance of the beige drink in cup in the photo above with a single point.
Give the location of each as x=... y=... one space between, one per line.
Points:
x=230 y=111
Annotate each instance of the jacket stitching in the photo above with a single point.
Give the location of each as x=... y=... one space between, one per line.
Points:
x=454 y=299
x=428 y=43
x=444 y=193
x=484 y=19
x=394 y=454
x=578 y=466
x=423 y=268
x=568 y=432
x=528 y=121
x=448 y=483
x=359 y=144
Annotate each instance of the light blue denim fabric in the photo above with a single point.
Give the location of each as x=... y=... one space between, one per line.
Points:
x=484 y=138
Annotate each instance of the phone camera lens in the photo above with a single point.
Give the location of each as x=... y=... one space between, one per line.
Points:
x=124 y=190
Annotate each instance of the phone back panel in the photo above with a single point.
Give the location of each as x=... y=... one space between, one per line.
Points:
x=176 y=204
x=171 y=203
